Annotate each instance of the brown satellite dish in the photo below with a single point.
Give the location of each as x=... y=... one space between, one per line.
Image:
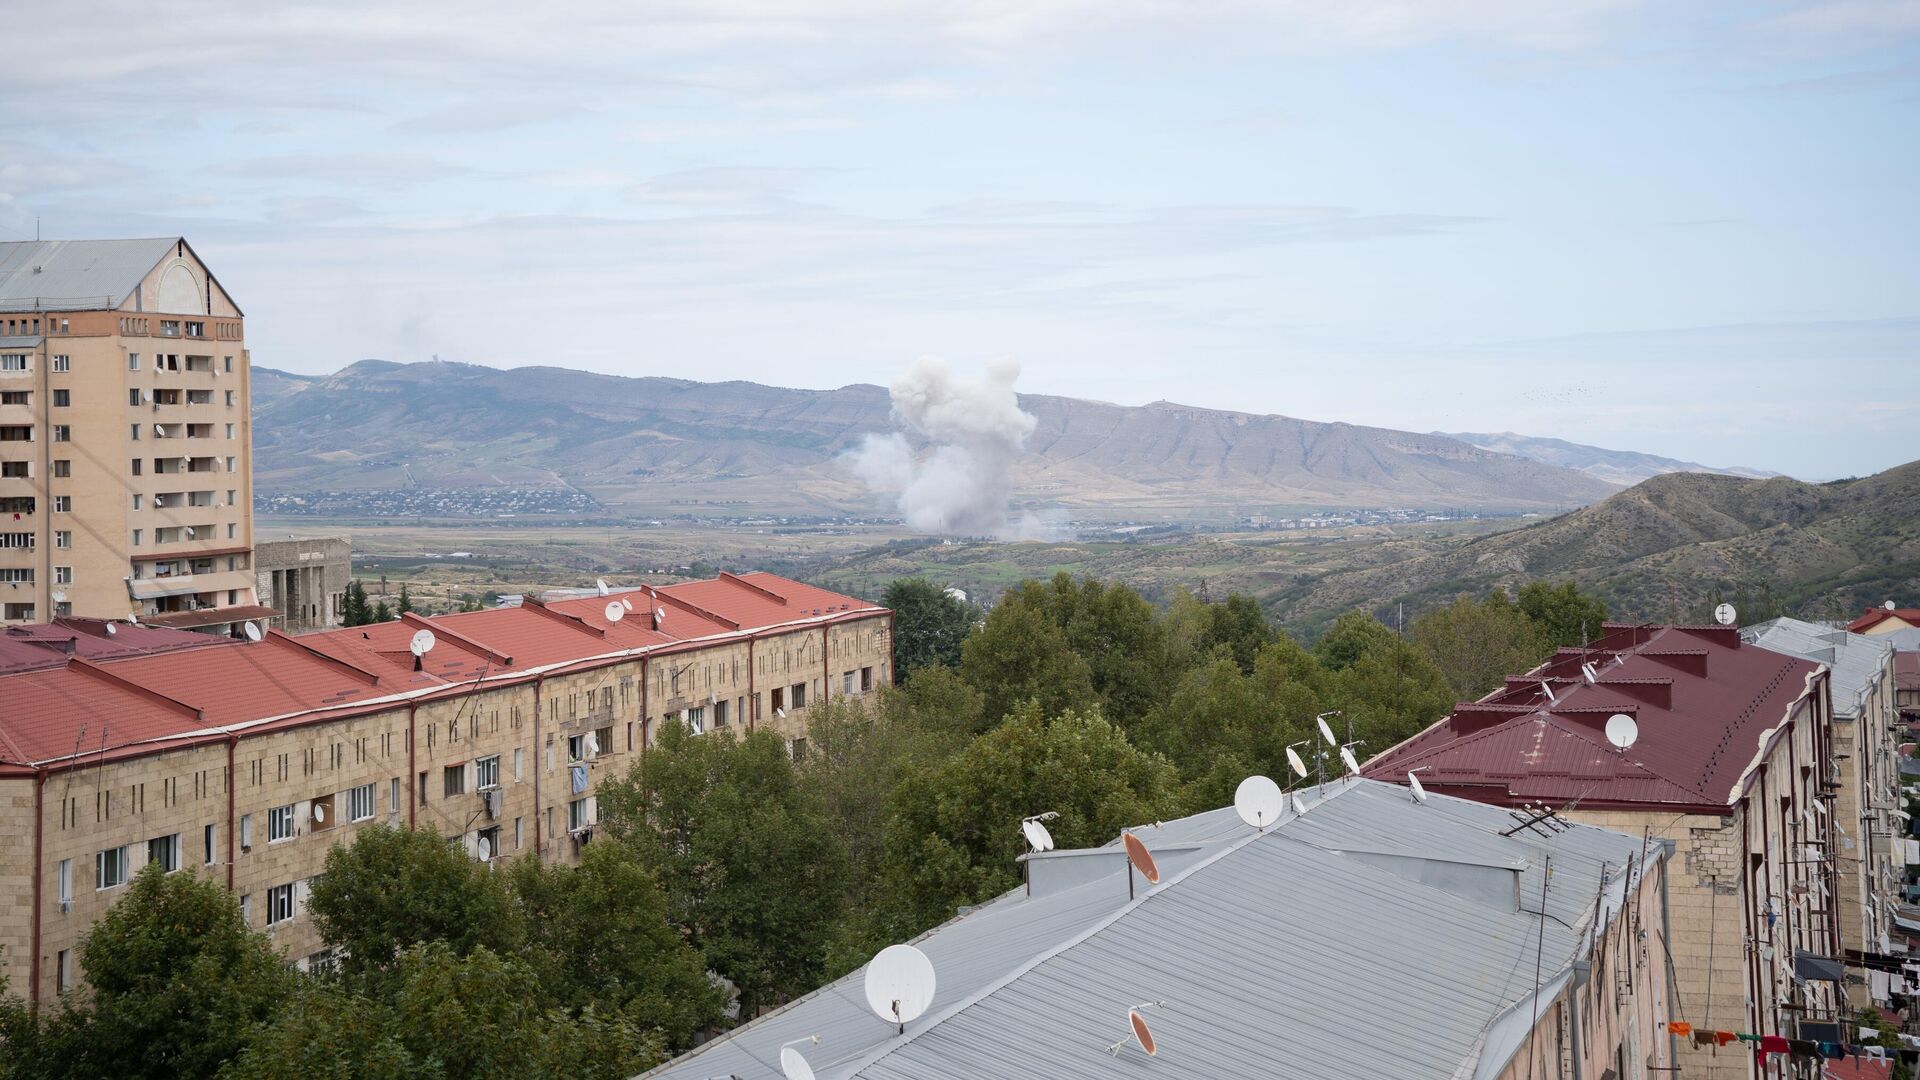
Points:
x=1141 y=858
x=1141 y=1032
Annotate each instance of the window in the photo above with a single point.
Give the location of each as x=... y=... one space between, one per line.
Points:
x=360 y=803
x=279 y=904
x=776 y=699
x=799 y=695
x=229 y=362
x=423 y=788
x=62 y=363
x=62 y=398
x=576 y=748
x=63 y=972
x=720 y=714
x=229 y=399
x=246 y=832
x=866 y=679
x=133 y=364
x=603 y=740
x=847 y=683
x=489 y=845
x=486 y=773
x=580 y=814
x=110 y=868
x=136 y=502
x=209 y=837
x=799 y=749
x=66 y=884
x=165 y=850
x=62 y=433
x=136 y=537
x=393 y=796
x=231 y=492
x=280 y=823
x=516 y=764
x=13 y=362
x=518 y=838
x=133 y=466
x=230 y=530
x=63 y=575
x=246 y=909
x=230 y=466
x=454 y=780
x=136 y=432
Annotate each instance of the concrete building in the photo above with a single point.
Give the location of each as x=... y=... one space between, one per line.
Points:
x=1872 y=867
x=125 y=436
x=1733 y=766
x=1372 y=936
x=305 y=579
x=246 y=761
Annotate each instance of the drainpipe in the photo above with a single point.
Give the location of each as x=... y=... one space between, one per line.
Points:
x=753 y=696
x=39 y=829
x=413 y=777
x=539 y=768
x=646 y=718
x=233 y=780
x=826 y=672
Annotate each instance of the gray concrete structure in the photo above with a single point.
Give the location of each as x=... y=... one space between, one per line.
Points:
x=305 y=579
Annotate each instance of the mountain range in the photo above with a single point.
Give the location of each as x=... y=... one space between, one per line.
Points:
x=662 y=445
x=1623 y=467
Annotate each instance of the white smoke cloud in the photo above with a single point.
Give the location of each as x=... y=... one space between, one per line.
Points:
x=974 y=429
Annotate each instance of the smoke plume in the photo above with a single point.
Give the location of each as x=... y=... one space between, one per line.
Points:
x=973 y=429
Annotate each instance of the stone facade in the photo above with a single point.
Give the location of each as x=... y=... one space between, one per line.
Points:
x=493 y=760
x=305 y=579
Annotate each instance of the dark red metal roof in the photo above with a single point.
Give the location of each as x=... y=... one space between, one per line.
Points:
x=1875 y=616
x=1704 y=703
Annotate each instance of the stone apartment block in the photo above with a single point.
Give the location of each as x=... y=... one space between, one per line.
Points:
x=1733 y=768
x=247 y=761
x=1866 y=723
x=305 y=579
x=125 y=437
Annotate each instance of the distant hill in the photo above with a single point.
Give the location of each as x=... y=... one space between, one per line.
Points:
x=1677 y=540
x=1622 y=467
x=659 y=445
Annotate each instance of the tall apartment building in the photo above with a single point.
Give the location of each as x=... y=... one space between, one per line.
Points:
x=246 y=761
x=125 y=437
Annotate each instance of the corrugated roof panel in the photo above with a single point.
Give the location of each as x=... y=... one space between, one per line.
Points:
x=70 y=275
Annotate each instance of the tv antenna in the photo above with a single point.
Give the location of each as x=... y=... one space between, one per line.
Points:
x=614 y=611
x=1541 y=819
x=1258 y=801
x=1140 y=1033
x=1724 y=614
x=794 y=1066
x=1622 y=731
x=899 y=984
x=1139 y=858
x=1038 y=838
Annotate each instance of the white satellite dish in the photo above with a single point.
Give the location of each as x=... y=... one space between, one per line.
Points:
x=111 y=629
x=422 y=642
x=1888 y=605
x=1724 y=615
x=899 y=984
x=1325 y=731
x=614 y=612
x=781 y=713
x=1038 y=838
x=1299 y=767
x=190 y=532
x=486 y=849
x=600 y=586
x=59 y=597
x=319 y=812
x=1258 y=801
x=252 y=630
x=593 y=744
x=1299 y=805
x=626 y=603
x=159 y=432
x=1347 y=758
x=1419 y=789
x=1588 y=672
x=1622 y=731
x=793 y=1065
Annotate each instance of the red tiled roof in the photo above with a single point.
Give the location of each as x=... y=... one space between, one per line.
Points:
x=1703 y=700
x=1906 y=670
x=1875 y=616
x=1859 y=1068
x=143 y=692
x=49 y=644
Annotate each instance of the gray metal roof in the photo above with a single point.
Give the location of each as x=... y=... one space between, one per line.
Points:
x=1856 y=660
x=76 y=275
x=1372 y=937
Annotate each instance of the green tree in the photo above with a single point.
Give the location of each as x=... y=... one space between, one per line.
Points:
x=353 y=606
x=753 y=869
x=1351 y=636
x=1222 y=725
x=405 y=603
x=1019 y=654
x=928 y=626
x=1568 y=617
x=1388 y=691
x=1116 y=632
x=1239 y=627
x=1477 y=644
x=598 y=936
x=445 y=1016
x=380 y=613
x=954 y=830
x=180 y=985
x=394 y=888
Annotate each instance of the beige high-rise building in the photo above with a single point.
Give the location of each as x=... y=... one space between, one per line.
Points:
x=125 y=437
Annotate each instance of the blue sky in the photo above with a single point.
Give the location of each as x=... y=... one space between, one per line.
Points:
x=1687 y=228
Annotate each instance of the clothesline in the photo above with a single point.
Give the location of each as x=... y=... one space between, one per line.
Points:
x=1799 y=1049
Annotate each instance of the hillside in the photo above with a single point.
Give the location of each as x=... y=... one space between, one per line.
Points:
x=656 y=446
x=1678 y=541
x=1622 y=467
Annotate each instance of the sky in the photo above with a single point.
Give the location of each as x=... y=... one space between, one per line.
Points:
x=1681 y=227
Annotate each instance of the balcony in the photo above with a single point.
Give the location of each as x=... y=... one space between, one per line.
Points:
x=214 y=585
